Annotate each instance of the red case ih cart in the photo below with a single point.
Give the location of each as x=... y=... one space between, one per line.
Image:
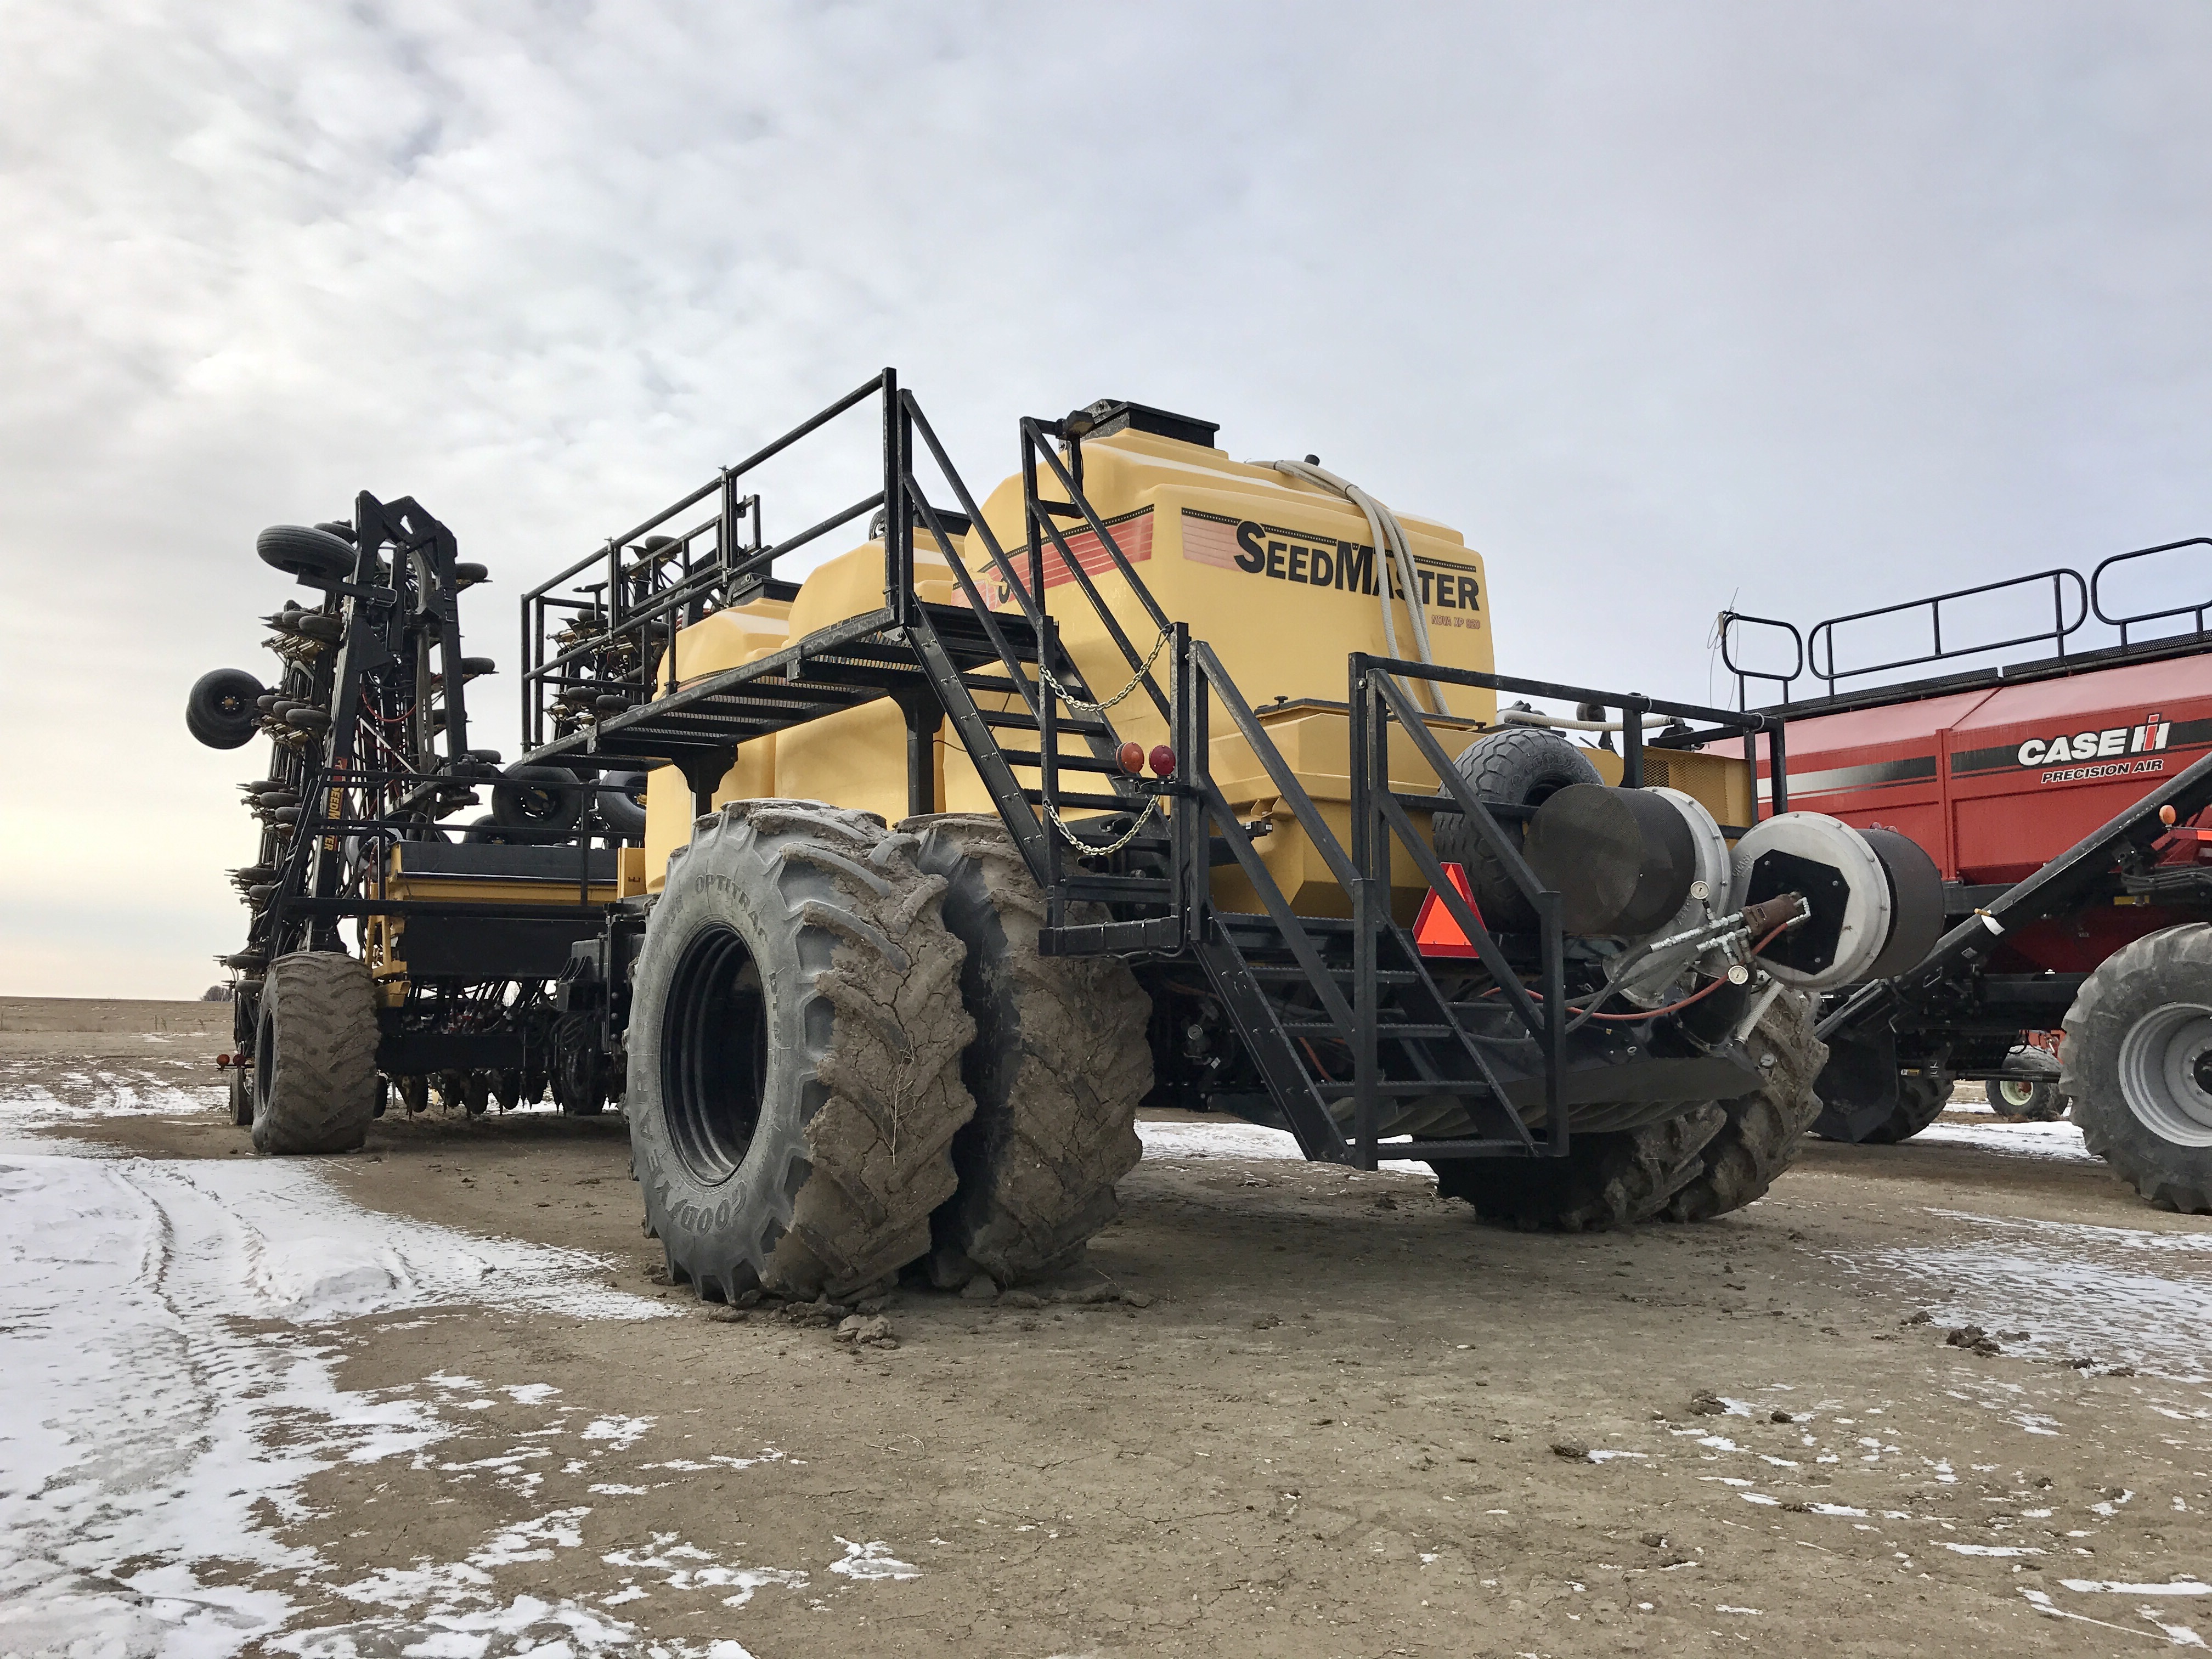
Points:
x=2067 y=802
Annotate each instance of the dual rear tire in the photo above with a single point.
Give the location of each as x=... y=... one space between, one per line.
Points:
x=847 y=1057
x=1701 y=1162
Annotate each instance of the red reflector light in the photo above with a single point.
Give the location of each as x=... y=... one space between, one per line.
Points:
x=1163 y=760
x=1133 y=759
x=222 y=1059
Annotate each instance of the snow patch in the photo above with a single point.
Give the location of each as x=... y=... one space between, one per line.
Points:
x=2177 y=1586
x=620 y=1432
x=1227 y=1140
x=144 y=1425
x=2106 y=1293
x=864 y=1562
x=2059 y=1141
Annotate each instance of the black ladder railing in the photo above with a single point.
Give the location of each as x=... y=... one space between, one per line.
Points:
x=1363 y=1053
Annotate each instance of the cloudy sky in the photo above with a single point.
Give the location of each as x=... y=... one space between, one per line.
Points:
x=1812 y=306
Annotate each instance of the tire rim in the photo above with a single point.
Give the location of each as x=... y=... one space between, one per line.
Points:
x=2017 y=1096
x=2166 y=1074
x=714 y=1054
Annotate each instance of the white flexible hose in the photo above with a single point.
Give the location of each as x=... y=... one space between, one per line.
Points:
x=1390 y=546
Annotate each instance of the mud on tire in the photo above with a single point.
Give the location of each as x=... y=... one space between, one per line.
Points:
x=1607 y=1180
x=2137 y=1064
x=1059 y=1062
x=794 y=1053
x=314 y=1055
x=1764 y=1129
x=1704 y=1161
x=1920 y=1102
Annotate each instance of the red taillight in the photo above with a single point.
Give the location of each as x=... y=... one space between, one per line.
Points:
x=1133 y=759
x=222 y=1059
x=1163 y=758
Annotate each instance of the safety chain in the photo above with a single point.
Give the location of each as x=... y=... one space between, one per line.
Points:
x=1091 y=850
x=1135 y=680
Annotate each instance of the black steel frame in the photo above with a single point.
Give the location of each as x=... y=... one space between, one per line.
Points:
x=940 y=662
x=391 y=759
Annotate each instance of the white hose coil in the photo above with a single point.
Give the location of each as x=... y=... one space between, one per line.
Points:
x=1390 y=545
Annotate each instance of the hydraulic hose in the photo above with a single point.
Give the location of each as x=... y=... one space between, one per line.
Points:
x=1391 y=550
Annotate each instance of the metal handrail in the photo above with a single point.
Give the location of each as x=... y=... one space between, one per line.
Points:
x=1823 y=634
x=2096 y=598
x=734 y=564
x=1726 y=625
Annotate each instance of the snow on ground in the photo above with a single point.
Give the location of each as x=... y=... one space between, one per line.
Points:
x=2060 y=1139
x=147 y=1434
x=1230 y=1138
x=1227 y=1139
x=98 y=1090
x=2113 y=1295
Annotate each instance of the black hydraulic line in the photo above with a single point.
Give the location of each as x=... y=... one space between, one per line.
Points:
x=2057 y=886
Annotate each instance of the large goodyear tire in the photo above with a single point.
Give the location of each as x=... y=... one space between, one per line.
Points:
x=2026 y=1102
x=794 y=1048
x=1920 y=1102
x=1513 y=766
x=1702 y=1163
x=314 y=1055
x=2137 y=1065
x=1765 y=1128
x=1058 y=1064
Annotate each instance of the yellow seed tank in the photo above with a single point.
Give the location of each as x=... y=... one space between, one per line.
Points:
x=1278 y=574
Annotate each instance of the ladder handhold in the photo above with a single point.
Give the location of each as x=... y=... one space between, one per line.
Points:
x=1437 y=932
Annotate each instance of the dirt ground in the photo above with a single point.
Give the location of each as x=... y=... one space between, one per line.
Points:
x=1329 y=1413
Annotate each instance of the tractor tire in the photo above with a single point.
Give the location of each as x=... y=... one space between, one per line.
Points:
x=314 y=1055
x=795 y=1039
x=1608 y=1180
x=241 y=1097
x=1059 y=1062
x=1702 y=1163
x=307 y=554
x=2137 y=1065
x=1765 y=1128
x=222 y=709
x=1920 y=1102
x=2038 y=1102
x=1513 y=766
